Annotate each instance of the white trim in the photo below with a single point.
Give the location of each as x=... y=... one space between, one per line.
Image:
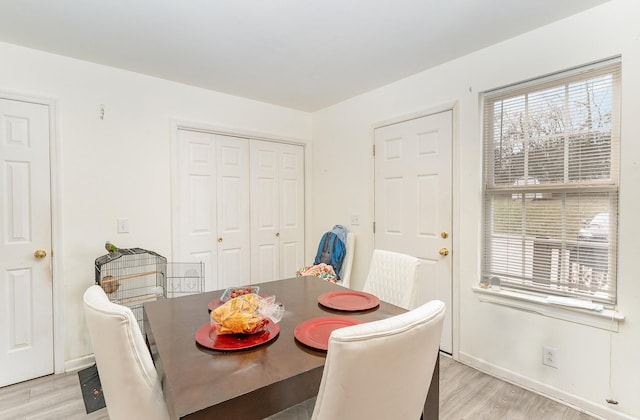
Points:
x=56 y=231
x=455 y=225
x=540 y=388
x=173 y=181
x=607 y=319
x=56 y=242
x=79 y=363
x=449 y=106
x=554 y=76
x=177 y=124
x=309 y=248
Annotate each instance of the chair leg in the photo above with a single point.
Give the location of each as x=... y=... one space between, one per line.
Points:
x=432 y=403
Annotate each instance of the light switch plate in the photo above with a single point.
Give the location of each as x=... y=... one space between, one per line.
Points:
x=123 y=225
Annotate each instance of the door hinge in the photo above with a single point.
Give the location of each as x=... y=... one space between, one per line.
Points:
x=374 y=227
x=374 y=150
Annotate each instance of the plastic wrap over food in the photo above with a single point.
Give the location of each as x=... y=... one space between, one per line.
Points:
x=246 y=314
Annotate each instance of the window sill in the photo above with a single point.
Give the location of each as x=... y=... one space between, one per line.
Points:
x=606 y=319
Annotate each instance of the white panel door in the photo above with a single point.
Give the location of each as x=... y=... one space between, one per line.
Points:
x=277 y=210
x=413 y=202
x=265 y=212
x=26 y=311
x=291 y=180
x=213 y=206
x=196 y=235
x=234 y=253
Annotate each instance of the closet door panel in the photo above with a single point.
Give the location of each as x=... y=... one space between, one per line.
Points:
x=234 y=253
x=264 y=211
x=196 y=204
x=291 y=202
x=265 y=263
x=277 y=210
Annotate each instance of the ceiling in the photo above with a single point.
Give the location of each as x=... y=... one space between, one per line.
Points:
x=301 y=54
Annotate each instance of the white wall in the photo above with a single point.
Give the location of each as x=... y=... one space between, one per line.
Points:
x=504 y=341
x=120 y=166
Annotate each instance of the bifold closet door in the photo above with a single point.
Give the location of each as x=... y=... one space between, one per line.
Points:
x=277 y=210
x=213 y=206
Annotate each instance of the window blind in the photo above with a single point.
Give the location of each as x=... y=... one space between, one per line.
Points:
x=551 y=169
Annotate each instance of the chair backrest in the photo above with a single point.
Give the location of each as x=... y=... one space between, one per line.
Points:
x=127 y=374
x=345 y=278
x=381 y=369
x=392 y=277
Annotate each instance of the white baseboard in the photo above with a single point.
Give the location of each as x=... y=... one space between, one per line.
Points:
x=573 y=401
x=79 y=363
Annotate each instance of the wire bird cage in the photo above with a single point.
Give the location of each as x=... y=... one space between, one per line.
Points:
x=134 y=276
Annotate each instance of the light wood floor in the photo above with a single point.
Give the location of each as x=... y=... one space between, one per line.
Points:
x=54 y=397
x=465 y=393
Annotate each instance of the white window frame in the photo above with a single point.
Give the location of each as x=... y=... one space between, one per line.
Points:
x=532 y=297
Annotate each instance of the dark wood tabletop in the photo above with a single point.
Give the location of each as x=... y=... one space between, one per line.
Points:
x=247 y=384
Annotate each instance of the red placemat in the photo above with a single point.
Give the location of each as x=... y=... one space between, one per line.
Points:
x=315 y=332
x=348 y=300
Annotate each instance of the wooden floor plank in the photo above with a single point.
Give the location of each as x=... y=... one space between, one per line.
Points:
x=465 y=394
x=14 y=397
x=52 y=397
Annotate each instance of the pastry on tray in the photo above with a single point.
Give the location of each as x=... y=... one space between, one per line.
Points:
x=246 y=314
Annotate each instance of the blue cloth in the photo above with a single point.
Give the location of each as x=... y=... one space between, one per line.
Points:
x=341 y=232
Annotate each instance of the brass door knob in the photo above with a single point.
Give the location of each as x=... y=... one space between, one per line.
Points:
x=444 y=252
x=278 y=234
x=220 y=239
x=40 y=253
x=444 y=234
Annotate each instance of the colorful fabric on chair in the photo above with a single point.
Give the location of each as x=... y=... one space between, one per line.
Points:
x=322 y=270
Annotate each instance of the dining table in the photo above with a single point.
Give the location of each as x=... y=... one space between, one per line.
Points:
x=200 y=382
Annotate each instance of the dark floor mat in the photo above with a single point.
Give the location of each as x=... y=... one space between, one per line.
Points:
x=91 y=389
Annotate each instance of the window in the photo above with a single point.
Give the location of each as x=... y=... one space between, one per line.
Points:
x=551 y=152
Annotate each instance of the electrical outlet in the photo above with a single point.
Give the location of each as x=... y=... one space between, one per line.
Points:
x=550 y=356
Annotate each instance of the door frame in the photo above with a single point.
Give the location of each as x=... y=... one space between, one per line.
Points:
x=455 y=198
x=177 y=124
x=56 y=237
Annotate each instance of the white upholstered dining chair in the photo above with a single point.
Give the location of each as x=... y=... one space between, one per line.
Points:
x=392 y=277
x=127 y=374
x=377 y=370
x=347 y=265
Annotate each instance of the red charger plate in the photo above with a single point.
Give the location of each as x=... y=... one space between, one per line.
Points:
x=208 y=338
x=315 y=332
x=348 y=300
